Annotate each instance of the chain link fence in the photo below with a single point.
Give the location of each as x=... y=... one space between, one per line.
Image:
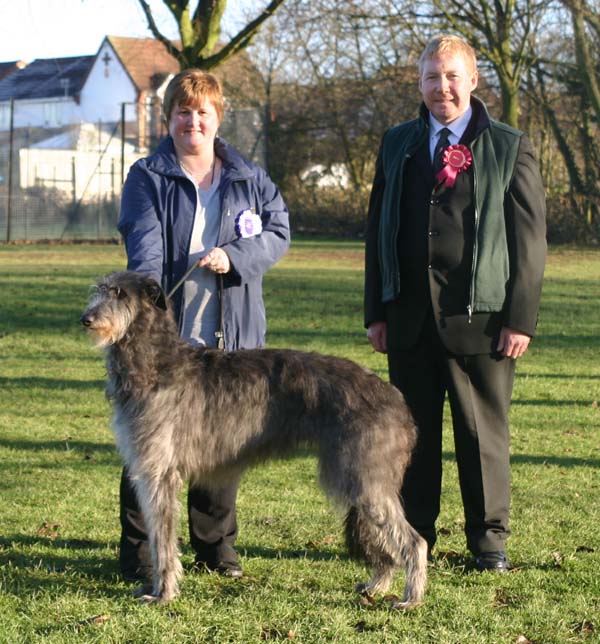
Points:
x=65 y=183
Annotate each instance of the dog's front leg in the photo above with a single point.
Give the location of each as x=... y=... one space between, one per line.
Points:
x=158 y=500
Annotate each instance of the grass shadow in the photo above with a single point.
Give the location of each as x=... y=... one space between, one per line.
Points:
x=51 y=384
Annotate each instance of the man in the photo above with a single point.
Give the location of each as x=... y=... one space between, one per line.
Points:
x=455 y=255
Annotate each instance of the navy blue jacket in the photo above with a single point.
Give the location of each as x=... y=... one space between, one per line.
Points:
x=158 y=205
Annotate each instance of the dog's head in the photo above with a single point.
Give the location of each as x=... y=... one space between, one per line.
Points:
x=118 y=299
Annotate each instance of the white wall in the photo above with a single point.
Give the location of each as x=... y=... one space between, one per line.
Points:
x=48 y=112
x=107 y=86
x=79 y=175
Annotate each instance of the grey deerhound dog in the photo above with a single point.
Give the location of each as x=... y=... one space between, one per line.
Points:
x=188 y=413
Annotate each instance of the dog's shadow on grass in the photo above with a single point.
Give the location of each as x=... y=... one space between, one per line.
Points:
x=311 y=553
x=34 y=562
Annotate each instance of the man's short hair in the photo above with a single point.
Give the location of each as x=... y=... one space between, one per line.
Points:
x=191 y=87
x=447 y=44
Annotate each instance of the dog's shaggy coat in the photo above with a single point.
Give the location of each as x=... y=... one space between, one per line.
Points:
x=187 y=413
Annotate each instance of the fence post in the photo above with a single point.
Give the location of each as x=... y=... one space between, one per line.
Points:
x=10 y=169
x=74 y=178
x=122 y=143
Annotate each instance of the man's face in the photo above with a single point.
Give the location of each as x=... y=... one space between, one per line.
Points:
x=446 y=84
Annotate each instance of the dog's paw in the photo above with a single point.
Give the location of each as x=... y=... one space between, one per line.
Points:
x=362 y=588
x=404 y=605
x=149 y=599
x=144 y=595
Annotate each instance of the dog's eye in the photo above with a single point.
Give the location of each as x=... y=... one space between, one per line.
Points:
x=112 y=291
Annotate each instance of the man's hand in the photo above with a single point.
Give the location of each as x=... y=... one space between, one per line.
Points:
x=377 y=336
x=512 y=344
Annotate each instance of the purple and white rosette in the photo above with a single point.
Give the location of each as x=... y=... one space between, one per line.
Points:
x=248 y=224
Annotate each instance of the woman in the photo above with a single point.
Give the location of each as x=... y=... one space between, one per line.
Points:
x=197 y=201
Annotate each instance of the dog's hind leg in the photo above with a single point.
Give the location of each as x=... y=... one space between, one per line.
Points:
x=159 y=503
x=379 y=531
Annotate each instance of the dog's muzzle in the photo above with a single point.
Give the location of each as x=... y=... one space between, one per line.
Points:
x=86 y=320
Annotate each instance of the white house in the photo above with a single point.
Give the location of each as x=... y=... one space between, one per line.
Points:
x=45 y=93
x=54 y=106
x=68 y=115
x=57 y=92
x=84 y=162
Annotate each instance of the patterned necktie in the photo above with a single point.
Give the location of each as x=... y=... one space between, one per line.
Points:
x=438 y=153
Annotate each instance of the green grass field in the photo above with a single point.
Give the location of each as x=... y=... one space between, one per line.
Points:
x=60 y=473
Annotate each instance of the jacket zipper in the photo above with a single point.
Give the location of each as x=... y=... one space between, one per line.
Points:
x=182 y=307
x=471 y=303
x=220 y=334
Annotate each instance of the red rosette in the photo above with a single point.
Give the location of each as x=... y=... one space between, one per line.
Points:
x=456 y=159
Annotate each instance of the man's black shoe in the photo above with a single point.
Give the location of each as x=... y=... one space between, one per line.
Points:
x=495 y=561
x=232 y=570
x=225 y=568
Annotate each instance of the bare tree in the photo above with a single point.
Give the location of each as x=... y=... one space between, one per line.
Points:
x=200 y=31
x=586 y=23
x=346 y=73
x=566 y=88
x=338 y=73
x=502 y=32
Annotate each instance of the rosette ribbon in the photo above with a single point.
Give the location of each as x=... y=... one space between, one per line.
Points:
x=456 y=159
x=248 y=224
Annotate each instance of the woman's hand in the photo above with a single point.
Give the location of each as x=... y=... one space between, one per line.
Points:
x=216 y=260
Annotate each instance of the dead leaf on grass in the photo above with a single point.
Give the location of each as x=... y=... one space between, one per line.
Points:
x=447 y=555
x=49 y=529
x=271 y=633
x=523 y=640
x=503 y=598
x=585 y=627
x=391 y=599
x=327 y=540
x=366 y=599
x=96 y=620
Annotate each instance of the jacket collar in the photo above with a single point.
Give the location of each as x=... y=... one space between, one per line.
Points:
x=235 y=167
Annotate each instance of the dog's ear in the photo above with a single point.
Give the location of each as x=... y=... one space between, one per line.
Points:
x=156 y=295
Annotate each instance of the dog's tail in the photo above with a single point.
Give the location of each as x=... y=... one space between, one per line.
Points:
x=379 y=534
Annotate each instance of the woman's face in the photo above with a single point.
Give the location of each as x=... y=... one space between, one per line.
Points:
x=194 y=127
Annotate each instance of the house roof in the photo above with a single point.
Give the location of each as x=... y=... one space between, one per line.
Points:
x=149 y=64
x=47 y=78
x=145 y=59
x=10 y=67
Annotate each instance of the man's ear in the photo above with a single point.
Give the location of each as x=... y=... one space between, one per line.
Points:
x=474 y=80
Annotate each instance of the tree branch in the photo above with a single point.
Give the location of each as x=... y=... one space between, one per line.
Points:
x=243 y=38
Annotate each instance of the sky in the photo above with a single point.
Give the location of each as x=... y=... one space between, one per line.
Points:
x=32 y=29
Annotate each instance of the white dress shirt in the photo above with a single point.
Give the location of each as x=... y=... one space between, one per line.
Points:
x=457 y=129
